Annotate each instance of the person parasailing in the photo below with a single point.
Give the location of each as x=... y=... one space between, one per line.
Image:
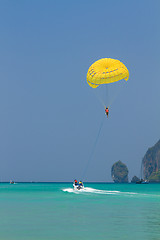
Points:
x=106 y=71
x=107 y=111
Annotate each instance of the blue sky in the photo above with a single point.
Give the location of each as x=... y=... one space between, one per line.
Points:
x=50 y=117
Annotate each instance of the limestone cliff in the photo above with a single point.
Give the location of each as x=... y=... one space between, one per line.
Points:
x=151 y=162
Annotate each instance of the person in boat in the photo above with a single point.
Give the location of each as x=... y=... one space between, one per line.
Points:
x=75 y=182
x=107 y=111
x=80 y=183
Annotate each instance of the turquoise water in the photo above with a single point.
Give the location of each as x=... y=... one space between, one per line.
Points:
x=102 y=211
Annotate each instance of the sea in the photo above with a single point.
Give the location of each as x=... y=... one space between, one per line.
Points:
x=54 y=211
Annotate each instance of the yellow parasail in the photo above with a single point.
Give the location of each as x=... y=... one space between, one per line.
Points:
x=106 y=70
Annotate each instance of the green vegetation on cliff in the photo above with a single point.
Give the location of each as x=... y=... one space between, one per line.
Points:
x=119 y=172
x=151 y=162
x=154 y=177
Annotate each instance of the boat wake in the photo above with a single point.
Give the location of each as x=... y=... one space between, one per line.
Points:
x=96 y=191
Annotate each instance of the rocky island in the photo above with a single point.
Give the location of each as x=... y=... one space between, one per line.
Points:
x=135 y=179
x=119 y=172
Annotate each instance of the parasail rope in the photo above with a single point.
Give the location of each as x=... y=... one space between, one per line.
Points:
x=93 y=149
x=100 y=99
x=109 y=96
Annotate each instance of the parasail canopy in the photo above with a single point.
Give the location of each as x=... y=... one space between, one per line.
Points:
x=106 y=70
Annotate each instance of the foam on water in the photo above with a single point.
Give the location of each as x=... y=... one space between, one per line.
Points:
x=96 y=191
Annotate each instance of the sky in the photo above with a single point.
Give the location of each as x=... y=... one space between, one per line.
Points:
x=49 y=116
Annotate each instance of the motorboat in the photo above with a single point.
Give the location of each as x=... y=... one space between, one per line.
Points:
x=12 y=182
x=78 y=186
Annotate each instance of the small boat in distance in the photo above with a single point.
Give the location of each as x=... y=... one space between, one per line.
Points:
x=78 y=186
x=12 y=182
x=142 y=181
